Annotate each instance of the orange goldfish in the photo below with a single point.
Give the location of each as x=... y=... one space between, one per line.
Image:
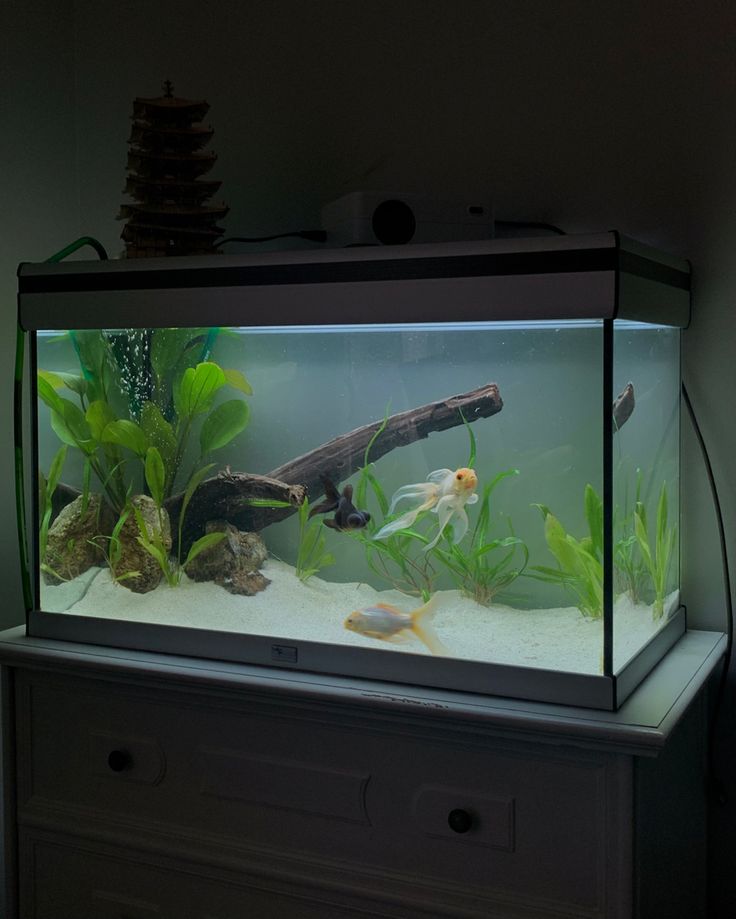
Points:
x=387 y=622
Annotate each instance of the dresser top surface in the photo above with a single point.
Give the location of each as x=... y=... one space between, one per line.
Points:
x=640 y=726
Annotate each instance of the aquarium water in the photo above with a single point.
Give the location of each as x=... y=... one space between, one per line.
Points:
x=500 y=492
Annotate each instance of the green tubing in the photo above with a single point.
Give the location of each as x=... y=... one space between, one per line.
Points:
x=20 y=497
x=78 y=244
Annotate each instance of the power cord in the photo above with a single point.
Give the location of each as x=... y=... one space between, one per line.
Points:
x=316 y=236
x=530 y=225
x=717 y=786
x=320 y=236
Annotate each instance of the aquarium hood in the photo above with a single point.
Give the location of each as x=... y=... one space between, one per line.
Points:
x=602 y=276
x=453 y=465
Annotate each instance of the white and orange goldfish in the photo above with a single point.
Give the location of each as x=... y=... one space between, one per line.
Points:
x=387 y=622
x=446 y=493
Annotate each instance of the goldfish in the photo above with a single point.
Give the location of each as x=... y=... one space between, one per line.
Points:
x=386 y=622
x=347 y=516
x=446 y=493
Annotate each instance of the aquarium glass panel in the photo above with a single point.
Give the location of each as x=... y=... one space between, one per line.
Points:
x=218 y=478
x=646 y=483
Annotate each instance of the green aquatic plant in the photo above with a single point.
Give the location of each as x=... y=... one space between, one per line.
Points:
x=478 y=570
x=82 y=426
x=111 y=548
x=153 y=540
x=657 y=556
x=392 y=559
x=47 y=487
x=580 y=562
x=412 y=561
x=395 y=560
x=311 y=555
x=193 y=398
x=168 y=398
x=630 y=570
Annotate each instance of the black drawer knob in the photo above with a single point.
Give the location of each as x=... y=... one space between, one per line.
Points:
x=119 y=760
x=459 y=820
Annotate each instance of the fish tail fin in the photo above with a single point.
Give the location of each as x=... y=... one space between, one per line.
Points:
x=407 y=519
x=401 y=523
x=424 y=631
x=332 y=498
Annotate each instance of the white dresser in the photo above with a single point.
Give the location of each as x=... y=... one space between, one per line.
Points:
x=140 y=785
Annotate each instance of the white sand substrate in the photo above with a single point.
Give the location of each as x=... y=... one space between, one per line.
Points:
x=558 y=639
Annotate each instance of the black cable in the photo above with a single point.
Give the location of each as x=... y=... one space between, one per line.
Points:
x=316 y=236
x=531 y=225
x=717 y=785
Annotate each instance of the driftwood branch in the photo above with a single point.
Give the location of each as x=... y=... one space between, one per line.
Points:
x=340 y=458
x=229 y=495
x=234 y=496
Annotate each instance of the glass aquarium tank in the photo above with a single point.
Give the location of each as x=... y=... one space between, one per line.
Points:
x=450 y=465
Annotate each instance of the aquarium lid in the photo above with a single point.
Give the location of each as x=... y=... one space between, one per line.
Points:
x=599 y=276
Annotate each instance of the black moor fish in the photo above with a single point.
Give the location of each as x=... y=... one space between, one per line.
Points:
x=347 y=516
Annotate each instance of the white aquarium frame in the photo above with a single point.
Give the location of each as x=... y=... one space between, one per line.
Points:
x=588 y=277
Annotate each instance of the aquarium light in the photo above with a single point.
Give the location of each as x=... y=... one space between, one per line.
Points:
x=625 y=325
x=409 y=327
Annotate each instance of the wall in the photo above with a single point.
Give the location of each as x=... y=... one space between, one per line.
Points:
x=39 y=202
x=592 y=115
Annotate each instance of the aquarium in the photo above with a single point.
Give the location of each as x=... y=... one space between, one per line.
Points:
x=451 y=465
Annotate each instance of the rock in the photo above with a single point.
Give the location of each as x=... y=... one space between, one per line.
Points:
x=70 y=548
x=243 y=582
x=133 y=557
x=233 y=562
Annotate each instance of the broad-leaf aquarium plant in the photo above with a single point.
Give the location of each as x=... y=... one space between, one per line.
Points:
x=140 y=397
x=580 y=565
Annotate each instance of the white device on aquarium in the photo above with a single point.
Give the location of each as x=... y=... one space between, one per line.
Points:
x=450 y=465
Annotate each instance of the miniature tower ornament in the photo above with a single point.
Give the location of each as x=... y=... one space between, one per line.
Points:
x=166 y=160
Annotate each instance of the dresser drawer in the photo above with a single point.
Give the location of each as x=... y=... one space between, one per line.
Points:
x=68 y=879
x=459 y=818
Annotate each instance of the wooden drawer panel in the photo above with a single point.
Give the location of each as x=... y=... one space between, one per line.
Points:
x=67 y=879
x=281 y=785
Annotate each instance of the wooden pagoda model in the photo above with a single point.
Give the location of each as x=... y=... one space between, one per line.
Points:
x=166 y=162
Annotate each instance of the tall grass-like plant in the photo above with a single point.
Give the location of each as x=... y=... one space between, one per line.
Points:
x=111 y=548
x=153 y=542
x=403 y=560
x=580 y=562
x=392 y=559
x=657 y=555
x=630 y=569
x=47 y=487
x=311 y=554
x=478 y=570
